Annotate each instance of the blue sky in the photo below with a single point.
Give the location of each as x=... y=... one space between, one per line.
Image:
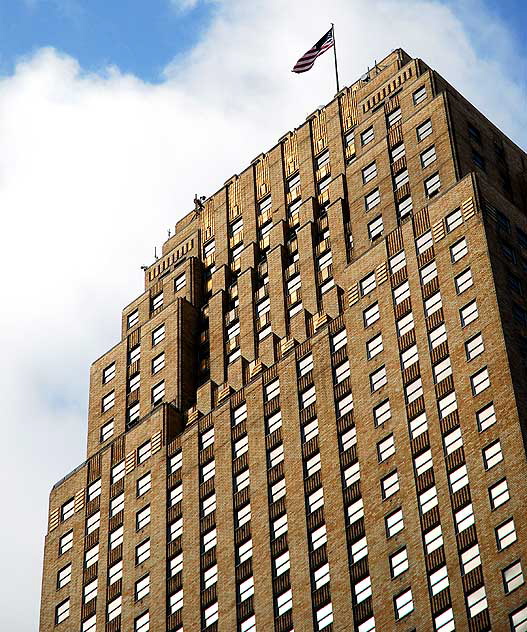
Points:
x=97 y=164
x=142 y=36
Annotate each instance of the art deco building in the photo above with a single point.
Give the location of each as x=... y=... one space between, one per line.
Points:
x=315 y=418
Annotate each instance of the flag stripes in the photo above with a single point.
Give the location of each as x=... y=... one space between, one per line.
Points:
x=307 y=60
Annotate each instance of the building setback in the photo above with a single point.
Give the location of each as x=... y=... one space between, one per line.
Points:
x=316 y=415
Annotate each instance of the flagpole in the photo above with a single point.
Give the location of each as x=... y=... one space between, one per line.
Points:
x=335 y=55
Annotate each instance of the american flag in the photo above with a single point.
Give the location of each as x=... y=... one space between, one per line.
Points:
x=308 y=59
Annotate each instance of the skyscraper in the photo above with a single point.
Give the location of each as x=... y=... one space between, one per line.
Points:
x=316 y=416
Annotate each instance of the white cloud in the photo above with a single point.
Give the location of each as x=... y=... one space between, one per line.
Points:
x=184 y=5
x=95 y=167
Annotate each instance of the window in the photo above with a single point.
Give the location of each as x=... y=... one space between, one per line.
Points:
x=432 y=185
x=273 y=422
x=142 y=587
x=444 y=622
x=67 y=510
x=386 y=448
x=458 y=250
x=474 y=347
x=399 y=562
x=107 y=430
x=175 y=463
x=158 y=392
x=401 y=293
x=284 y=602
x=64 y=576
x=175 y=495
x=506 y=534
x=369 y=172
x=144 y=484
x=62 y=611
x=367 y=136
x=390 y=485
x=382 y=412
x=405 y=324
x=246 y=589
x=438 y=580
x=428 y=156
x=278 y=490
x=442 y=370
x=93 y=522
x=310 y=430
x=276 y=455
x=374 y=346
x=368 y=625
x=418 y=425
x=428 y=272
x=108 y=401
x=210 y=576
x=394 y=117
x=176 y=601
x=66 y=542
x=477 y=601
x=428 y=499
x=400 y=179
x=342 y=371
x=116 y=537
x=453 y=220
x=492 y=454
x=375 y=228
x=397 y=262
x=378 y=379
x=90 y=591
x=248 y=625
x=368 y=284
x=359 y=549
x=394 y=522
x=424 y=242
x=404 y=207
x=437 y=336
x=175 y=529
x=318 y=537
x=423 y=462
x=115 y=572
x=447 y=405
x=513 y=577
x=133 y=318
x=433 y=539
x=458 y=478
x=339 y=340
x=208 y=505
x=144 y=452
x=134 y=354
x=324 y=615
x=117 y=472
x=208 y=470
x=470 y=559
x=245 y=551
x=89 y=624
x=372 y=199
x=134 y=382
x=142 y=518
x=370 y=315
x=403 y=604
x=355 y=511
x=281 y=564
x=464 y=518
x=419 y=95
x=362 y=589
x=157 y=301
x=91 y=556
x=142 y=551
x=486 y=417
x=480 y=381
x=453 y=441
x=413 y=391
x=108 y=373
x=424 y=130
x=348 y=439
x=308 y=397
x=243 y=515
x=180 y=282
x=158 y=335
x=409 y=357
x=280 y=526
x=305 y=365
x=272 y=390
x=474 y=133
x=313 y=464
x=207 y=438
x=352 y=474
x=209 y=540
x=158 y=363
x=468 y=313
x=463 y=281
x=397 y=152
